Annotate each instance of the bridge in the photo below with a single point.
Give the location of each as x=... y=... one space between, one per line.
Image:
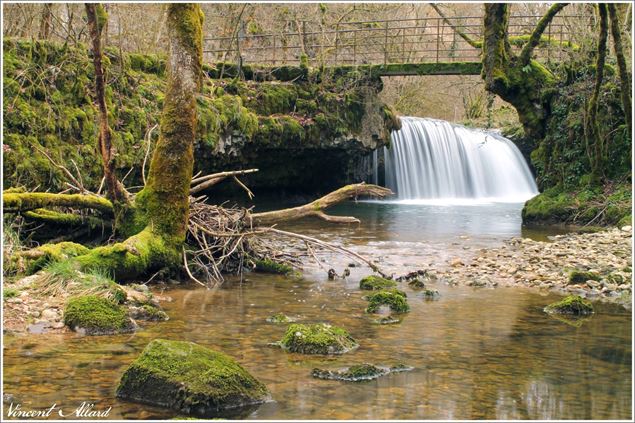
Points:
x=409 y=46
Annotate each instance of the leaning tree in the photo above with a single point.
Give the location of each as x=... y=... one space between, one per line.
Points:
x=156 y=226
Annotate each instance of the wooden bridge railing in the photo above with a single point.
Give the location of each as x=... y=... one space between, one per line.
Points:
x=412 y=40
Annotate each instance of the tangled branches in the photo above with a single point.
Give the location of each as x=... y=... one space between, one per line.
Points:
x=224 y=240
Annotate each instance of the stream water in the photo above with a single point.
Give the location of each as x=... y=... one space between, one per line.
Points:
x=477 y=353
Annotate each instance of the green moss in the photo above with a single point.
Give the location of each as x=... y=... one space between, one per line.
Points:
x=572 y=304
x=148 y=312
x=416 y=283
x=270 y=266
x=393 y=298
x=430 y=294
x=189 y=378
x=356 y=373
x=280 y=318
x=96 y=315
x=8 y=292
x=583 y=206
x=317 y=339
x=579 y=276
x=55 y=253
x=376 y=283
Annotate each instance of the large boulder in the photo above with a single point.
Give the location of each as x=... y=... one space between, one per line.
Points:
x=189 y=378
x=318 y=338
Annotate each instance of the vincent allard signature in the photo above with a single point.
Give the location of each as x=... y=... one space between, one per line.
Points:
x=85 y=409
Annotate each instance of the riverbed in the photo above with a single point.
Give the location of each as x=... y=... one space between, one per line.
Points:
x=477 y=353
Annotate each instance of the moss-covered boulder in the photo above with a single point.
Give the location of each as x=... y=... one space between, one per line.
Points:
x=189 y=378
x=376 y=283
x=579 y=276
x=96 y=315
x=318 y=338
x=571 y=305
x=270 y=266
x=393 y=298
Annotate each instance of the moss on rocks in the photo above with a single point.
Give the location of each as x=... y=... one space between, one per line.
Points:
x=96 y=315
x=376 y=283
x=189 y=378
x=430 y=294
x=571 y=305
x=393 y=298
x=270 y=266
x=358 y=372
x=280 y=318
x=148 y=312
x=318 y=338
x=579 y=276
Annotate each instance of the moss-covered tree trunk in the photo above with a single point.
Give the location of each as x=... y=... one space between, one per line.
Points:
x=595 y=141
x=517 y=79
x=160 y=210
x=625 y=84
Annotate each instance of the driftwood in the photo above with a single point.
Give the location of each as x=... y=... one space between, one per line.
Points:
x=316 y=208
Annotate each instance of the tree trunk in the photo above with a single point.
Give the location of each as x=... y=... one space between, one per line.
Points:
x=96 y=19
x=161 y=208
x=45 y=22
x=519 y=80
x=616 y=32
x=594 y=139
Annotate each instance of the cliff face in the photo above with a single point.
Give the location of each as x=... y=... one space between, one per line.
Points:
x=306 y=130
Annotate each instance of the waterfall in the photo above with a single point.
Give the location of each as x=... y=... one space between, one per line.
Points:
x=435 y=160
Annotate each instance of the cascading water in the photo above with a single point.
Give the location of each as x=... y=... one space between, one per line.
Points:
x=435 y=160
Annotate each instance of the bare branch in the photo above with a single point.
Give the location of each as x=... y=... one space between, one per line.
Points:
x=467 y=38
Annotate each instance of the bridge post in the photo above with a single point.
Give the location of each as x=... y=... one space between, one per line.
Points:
x=274 y=49
x=438 y=37
x=386 y=43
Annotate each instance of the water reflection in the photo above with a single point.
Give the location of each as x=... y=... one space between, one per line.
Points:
x=477 y=353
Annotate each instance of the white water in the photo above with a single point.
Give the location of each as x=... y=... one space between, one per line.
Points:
x=433 y=161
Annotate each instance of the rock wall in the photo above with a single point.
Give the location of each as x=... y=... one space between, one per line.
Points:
x=307 y=130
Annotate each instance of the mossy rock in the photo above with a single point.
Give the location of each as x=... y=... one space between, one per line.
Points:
x=393 y=298
x=376 y=283
x=387 y=320
x=96 y=315
x=270 y=266
x=416 y=284
x=571 y=305
x=189 y=378
x=318 y=338
x=280 y=318
x=358 y=372
x=579 y=276
x=430 y=294
x=148 y=312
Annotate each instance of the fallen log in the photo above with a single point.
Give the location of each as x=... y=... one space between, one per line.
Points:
x=316 y=208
